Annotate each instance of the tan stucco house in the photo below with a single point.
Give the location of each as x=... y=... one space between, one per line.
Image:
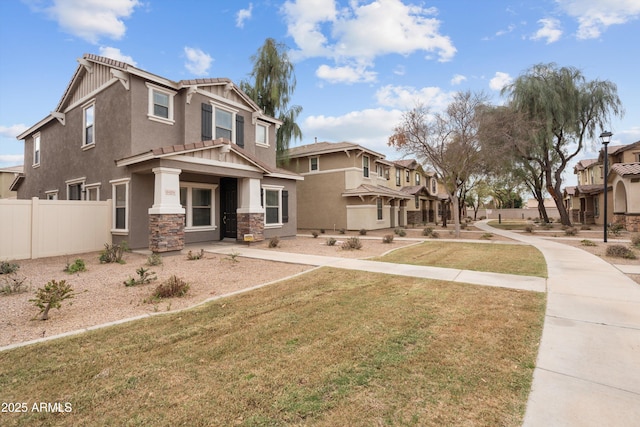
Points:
x=7 y=176
x=348 y=186
x=183 y=161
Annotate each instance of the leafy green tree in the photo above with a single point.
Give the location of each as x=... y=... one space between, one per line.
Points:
x=272 y=85
x=567 y=111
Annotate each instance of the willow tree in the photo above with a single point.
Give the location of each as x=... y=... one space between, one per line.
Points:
x=272 y=86
x=447 y=141
x=568 y=110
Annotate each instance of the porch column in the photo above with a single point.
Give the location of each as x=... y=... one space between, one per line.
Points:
x=166 y=216
x=250 y=213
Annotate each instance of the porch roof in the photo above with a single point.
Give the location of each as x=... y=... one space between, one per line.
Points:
x=589 y=190
x=220 y=143
x=375 y=190
x=626 y=169
x=415 y=189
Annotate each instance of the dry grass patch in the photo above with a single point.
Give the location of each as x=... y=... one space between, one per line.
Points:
x=329 y=348
x=509 y=259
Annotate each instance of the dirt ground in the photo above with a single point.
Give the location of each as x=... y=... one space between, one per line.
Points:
x=101 y=296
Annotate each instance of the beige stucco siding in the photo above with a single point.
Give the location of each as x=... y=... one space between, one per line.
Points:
x=320 y=204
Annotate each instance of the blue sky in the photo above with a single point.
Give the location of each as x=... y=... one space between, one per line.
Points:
x=359 y=64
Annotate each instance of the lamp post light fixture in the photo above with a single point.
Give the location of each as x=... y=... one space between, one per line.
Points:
x=606 y=138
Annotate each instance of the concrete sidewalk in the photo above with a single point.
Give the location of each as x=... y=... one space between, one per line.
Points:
x=588 y=367
x=512 y=281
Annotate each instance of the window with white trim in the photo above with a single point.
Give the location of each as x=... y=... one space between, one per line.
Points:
x=51 y=194
x=75 y=189
x=88 y=136
x=120 y=195
x=365 y=166
x=398 y=177
x=223 y=124
x=314 y=164
x=262 y=134
x=596 y=207
x=92 y=191
x=198 y=201
x=417 y=178
x=407 y=174
x=379 y=208
x=160 y=104
x=36 y=149
x=272 y=202
x=434 y=186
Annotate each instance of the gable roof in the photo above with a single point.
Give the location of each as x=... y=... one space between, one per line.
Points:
x=623 y=148
x=584 y=164
x=375 y=190
x=626 y=169
x=110 y=70
x=318 y=148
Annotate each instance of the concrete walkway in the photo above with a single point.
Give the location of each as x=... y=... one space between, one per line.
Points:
x=512 y=281
x=588 y=367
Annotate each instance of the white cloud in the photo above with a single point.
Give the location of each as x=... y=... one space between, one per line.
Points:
x=406 y=97
x=243 y=15
x=509 y=29
x=12 y=131
x=594 y=16
x=500 y=80
x=345 y=74
x=115 y=53
x=359 y=33
x=549 y=31
x=198 y=62
x=94 y=19
x=457 y=79
x=11 y=158
x=371 y=128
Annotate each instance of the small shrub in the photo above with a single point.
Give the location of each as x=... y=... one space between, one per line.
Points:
x=352 y=243
x=8 y=267
x=12 y=284
x=172 y=287
x=615 y=229
x=400 y=232
x=585 y=227
x=322 y=231
x=233 y=256
x=435 y=235
x=342 y=231
x=587 y=242
x=331 y=241
x=486 y=236
x=144 y=276
x=635 y=240
x=620 y=251
x=114 y=253
x=388 y=238
x=154 y=259
x=193 y=256
x=528 y=228
x=363 y=232
x=51 y=296
x=315 y=234
x=274 y=242
x=570 y=231
x=77 y=266
x=427 y=231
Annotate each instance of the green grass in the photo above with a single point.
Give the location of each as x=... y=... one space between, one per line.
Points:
x=329 y=348
x=509 y=259
x=510 y=224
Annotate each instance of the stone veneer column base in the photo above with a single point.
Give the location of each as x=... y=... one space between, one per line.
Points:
x=166 y=232
x=631 y=222
x=251 y=223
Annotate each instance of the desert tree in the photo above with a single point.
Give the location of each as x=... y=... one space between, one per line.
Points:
x=447 y=141
x=569 y=111
x=271 y=86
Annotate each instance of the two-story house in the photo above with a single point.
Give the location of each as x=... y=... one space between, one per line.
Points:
x=183 y=161
x=345 y=187
x=585 y=201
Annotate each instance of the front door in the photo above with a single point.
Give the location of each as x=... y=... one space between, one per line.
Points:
x=228 y=207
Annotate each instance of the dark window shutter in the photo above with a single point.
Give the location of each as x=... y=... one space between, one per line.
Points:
x=262 y=197
x=207 y=122
x=285 y=206
x=239 y=130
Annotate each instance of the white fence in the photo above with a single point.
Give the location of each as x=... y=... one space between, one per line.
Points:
x=40 y=228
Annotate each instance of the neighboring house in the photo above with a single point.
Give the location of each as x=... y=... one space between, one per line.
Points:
x=585 y=201
x=7 y=176
x=184 y=162
x=347 y=186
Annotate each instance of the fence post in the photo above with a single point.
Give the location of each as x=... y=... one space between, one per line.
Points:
x=35 y=227
x=499 y=218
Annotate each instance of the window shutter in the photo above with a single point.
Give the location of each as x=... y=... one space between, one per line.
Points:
x=262 y=197
x=285 y=206
x=239 y=130
x=207 y=122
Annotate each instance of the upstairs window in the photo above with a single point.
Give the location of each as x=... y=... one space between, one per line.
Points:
x=434 y=186
x=398 y=177
x=417 y=179
x=88 y=138
x=224 y=124
x=262 y=134
x=406 y=176
x=160 y=104
x=36 y=149
x=314 y=164
x=365 y=166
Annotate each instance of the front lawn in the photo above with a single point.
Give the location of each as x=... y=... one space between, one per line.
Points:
x=331 y=347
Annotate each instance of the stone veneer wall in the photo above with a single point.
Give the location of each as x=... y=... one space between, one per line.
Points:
x=414 y=217
x=251 y=223
x=630 y=222
x=166 y=232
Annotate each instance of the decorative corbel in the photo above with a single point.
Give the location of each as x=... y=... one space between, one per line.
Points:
x=227 y=89
x=86 y=64
x=254 y=117
x=190 y=92
x=123 y=77
x=60 y=116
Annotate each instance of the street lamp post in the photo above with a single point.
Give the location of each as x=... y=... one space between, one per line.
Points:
x=606 y=138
